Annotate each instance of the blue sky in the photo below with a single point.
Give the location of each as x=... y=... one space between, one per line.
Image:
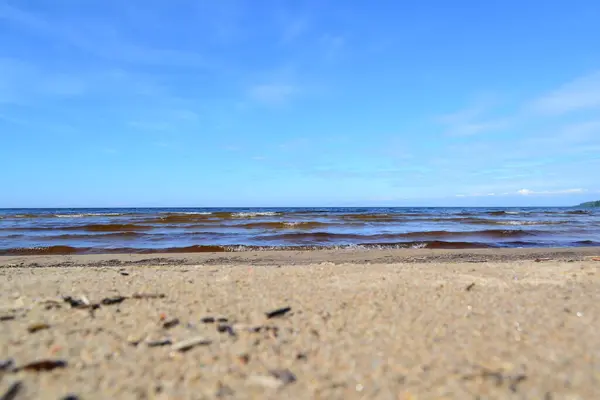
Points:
x=299 y=103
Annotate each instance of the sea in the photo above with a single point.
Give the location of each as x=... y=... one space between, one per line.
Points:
x=164 y=230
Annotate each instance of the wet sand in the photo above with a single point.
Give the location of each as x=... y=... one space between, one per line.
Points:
x=389 y=324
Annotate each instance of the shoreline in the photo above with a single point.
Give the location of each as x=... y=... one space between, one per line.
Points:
x=301 y=257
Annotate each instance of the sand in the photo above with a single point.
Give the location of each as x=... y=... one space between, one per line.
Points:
x=383 y=324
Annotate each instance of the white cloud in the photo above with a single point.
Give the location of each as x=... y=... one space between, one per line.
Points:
x=273 y=93
x=527 y=192
x=580 y=94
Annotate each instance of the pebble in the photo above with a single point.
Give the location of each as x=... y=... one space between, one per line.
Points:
x=226 y=329
x=278 y=313
x=44 y=365
x=83 y=303
x=171 y=323
x=159 y=342
x=265 y=381
x=7 y=364
x=191 y=343
x=112 y=300
x=71 y=397
x=148 y=296
x=12 y=391
x=284 y=375
x=37 y=327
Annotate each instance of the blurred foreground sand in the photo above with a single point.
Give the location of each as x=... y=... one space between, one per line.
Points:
x=371 y=324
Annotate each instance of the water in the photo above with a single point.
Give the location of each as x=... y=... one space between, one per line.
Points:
x=143 y=230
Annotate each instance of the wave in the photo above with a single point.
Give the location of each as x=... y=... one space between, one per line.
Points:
x=431 y=244
x=497 y=213
x=188 y=217
x=83 y=215
x=74 y=215
x=179 y=219
x=485 y=221
x=31 y=216
x=328 y=236
x=579 y=212
x=254 y=214
x=43 y=250
x=109 y=227
x=187 y=213
x=113 y=235
x=69 y=250
x=283 y=225
x=371 y=217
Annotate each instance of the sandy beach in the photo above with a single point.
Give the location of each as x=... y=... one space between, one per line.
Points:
x=331 y=324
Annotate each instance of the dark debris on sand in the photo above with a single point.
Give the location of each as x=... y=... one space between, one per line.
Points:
x=280 y=312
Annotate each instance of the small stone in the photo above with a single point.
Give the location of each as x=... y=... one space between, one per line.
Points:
x=159 y=342
x=278 y=313
x=284 y=375
x=208 y=320
x=226 y=329
x=113 y=300
x=12 y=391
x=244 y=359
x=134 y=340
x=37 y=327
x=171 y=323
x=7 y=364
x=191 y=343
x=265 y=381
x=83 y=303
x=44 y=365
x=148 y=296
x=7 y=317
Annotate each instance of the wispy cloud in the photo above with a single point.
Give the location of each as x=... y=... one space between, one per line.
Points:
x=273 y=93
x=20 y=80
x=471 y=121
x=527 y=192
x=293 y=28
x=101 y=39
x=580 y=94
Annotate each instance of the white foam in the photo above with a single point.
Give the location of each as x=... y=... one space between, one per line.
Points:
x=188 y=213
x=254 y=214
x=87 y=215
